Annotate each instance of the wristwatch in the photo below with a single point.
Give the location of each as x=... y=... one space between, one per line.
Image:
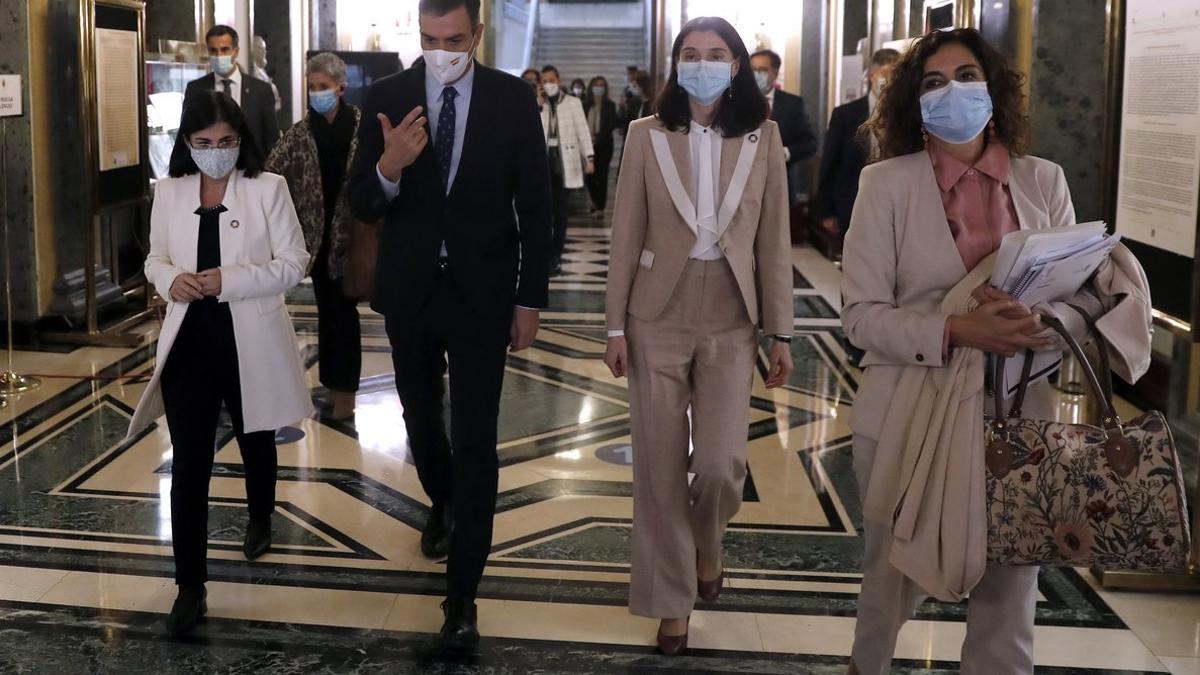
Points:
x=785 y=339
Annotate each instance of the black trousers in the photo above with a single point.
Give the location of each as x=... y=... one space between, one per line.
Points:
x=461 y=470
x=597 y=182
x=558 y=196
x=339 y=333
x=200 y=373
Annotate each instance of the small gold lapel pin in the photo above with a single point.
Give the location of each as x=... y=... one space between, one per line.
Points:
x=235 y=224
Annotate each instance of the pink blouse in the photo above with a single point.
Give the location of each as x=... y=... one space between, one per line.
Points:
x=978 y=204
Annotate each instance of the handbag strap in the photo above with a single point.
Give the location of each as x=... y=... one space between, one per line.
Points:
x=1106 y=378
x=1120 y=453
x=1101 y=392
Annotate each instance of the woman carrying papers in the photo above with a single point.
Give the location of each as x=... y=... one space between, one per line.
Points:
x=953 y=180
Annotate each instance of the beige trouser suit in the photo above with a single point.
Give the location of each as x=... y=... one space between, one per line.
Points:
x=692 y=327
x=900 y=260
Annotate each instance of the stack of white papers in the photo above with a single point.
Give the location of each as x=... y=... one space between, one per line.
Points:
x=1047 y=265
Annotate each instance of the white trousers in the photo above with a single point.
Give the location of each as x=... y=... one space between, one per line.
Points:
x=1000 y=610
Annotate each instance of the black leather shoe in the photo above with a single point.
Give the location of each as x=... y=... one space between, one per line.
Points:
x=189 y=609
x=258 y=537
x=461 y=629
x=435 y=538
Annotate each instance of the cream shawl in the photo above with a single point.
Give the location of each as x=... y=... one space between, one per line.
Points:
x=928 y=474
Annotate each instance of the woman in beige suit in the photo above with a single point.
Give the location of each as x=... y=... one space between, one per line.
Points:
x=701 y=260
x=954 y=179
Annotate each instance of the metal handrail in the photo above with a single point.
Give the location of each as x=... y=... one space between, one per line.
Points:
x=531 y=26
x=516 y=9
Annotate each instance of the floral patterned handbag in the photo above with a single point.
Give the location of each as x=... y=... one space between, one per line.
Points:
x=1108 y=496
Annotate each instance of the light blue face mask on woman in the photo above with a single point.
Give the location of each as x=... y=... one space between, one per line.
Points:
x=957 y=112
x=705 y=81
x=322 y=101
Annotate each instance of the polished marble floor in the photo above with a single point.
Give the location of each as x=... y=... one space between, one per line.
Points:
x=85 y=567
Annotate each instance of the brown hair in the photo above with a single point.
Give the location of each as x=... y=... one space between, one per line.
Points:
x=896 y=123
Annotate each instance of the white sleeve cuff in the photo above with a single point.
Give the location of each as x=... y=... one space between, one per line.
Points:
x=787 y=155
x=616 y=333
x=390 y=189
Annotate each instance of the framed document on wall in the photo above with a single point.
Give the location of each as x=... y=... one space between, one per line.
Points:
x=115 y=110
x=1158 y=160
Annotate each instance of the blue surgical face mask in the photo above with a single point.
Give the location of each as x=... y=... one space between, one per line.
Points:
x=957 y=112
x=599 y=92
x=323 y=101
x=221 y=65
x=763 y=79
x=705 y=81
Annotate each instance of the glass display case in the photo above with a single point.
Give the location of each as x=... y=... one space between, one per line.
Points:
x=168 y=73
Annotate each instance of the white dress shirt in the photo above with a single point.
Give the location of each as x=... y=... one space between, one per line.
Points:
x=433 y=111
x=235 y=83
x=705 y=144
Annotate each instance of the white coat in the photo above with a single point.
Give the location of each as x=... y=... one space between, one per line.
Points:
x=262 y=255
x=574 y=138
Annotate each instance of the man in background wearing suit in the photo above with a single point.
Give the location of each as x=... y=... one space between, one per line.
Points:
x=788 y=112
x=452 y=159
x=846 y=153
x=255 y=97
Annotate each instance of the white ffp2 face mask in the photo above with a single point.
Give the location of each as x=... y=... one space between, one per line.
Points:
x=447 y=67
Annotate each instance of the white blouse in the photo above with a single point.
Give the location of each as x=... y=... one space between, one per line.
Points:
x=705 y=143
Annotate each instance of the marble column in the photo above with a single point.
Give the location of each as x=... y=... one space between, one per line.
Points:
x=1067 y=84
x=17 y=178
x=814 y=66
x=272 y=22
x=324 y=25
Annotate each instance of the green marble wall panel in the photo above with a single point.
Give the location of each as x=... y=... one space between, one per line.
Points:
x=1067 y=95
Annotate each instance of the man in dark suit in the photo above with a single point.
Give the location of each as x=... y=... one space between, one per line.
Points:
x=845 y=152
x=452 y=159
x=787 y=110
x=255 y=97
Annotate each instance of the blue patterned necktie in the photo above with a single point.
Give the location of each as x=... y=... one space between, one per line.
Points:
x=444 y=144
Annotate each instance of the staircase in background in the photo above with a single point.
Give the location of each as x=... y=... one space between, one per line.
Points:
x=588 y=52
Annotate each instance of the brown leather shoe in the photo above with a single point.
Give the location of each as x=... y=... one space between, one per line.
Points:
x=709 y=591
x=672 y=645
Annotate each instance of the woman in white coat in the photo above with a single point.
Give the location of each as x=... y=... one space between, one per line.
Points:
x=225 y=243
x=569 y=144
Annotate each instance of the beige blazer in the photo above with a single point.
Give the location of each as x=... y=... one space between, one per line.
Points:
x=653 y=233
x=262 y=255
x=902 y=277
x=900 y=261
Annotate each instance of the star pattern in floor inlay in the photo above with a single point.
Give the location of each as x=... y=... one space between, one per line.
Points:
x=85 y=557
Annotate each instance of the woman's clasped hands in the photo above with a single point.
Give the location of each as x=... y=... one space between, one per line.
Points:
x=1001 y=324
x=189 y=287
